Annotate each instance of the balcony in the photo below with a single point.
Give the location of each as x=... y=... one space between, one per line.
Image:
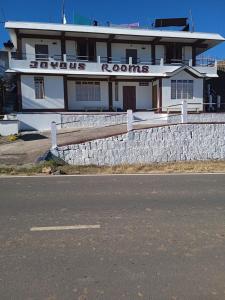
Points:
x=77 y=65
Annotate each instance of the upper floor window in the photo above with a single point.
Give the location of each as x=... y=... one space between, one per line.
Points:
x=86 y=49
x=41 y=52
x=39 y=87
x=174 y=53
x=182 y=89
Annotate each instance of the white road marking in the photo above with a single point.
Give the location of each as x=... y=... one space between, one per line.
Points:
x=73 y=227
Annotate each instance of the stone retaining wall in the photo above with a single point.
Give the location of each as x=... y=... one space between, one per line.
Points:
x=198 y=118
x=183 y=142
x=92 y=120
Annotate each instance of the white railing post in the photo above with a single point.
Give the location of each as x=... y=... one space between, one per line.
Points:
x=210 y=102
x=190 y=62
x=184 y=111
x=64 y=57
x=218 y=102
x=130 y=60
x=98 y=59
x=129 y=120
x=53 y=135
x=161 y=61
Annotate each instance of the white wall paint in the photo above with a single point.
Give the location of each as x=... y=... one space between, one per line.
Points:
x=54 y=93
x=159 y=52
x=143 y=51
x=8 y=127
x=143 y=95
x=187 y=52
x=28 y=46
x=71 y=47
x=82 y=105
x=198 y=91
x=101 y=49
x=37 y=121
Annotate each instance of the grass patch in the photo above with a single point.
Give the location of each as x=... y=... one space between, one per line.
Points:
x=60 y=168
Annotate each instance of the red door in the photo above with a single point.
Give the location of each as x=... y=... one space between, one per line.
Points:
x=129 y=98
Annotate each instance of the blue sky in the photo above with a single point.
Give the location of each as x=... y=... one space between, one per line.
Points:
x=208 y=15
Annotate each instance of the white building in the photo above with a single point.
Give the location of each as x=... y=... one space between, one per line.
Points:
x=64 y=68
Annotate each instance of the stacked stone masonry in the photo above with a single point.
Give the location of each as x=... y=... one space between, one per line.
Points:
x=198 y=118
x=171 y=143
x=92 y=120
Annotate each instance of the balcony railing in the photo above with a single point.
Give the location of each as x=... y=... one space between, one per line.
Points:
x=199 y=62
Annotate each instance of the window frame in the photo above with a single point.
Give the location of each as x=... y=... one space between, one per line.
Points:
x=91 y=92
x=41 y=88
x=182 y=89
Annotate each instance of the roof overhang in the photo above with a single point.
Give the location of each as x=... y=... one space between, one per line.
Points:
x=187 y=69
x=202 y=41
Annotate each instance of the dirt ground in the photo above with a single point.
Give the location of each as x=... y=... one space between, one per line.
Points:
x=31 y=145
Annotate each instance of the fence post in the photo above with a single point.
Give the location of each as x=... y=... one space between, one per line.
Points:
x=98 y=59
x=130 y=60
x=129 y=120
x=161 y=61
x=218 y=102
x=53 y=135
x=184 y=111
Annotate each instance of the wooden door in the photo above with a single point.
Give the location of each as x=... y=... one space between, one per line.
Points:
x=129 y=98
x=154 y=96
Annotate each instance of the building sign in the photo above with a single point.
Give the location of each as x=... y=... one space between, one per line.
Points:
x=78 y=66
x=125 y=68
x=57 y=65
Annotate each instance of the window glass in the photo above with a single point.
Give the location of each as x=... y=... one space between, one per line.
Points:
x=39 y=87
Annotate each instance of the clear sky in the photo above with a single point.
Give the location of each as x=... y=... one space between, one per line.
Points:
x=208 y=15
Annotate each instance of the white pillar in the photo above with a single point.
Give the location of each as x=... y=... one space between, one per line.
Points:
x=54 y=135
x=161 y=61
x=64 y=57
x=184 y=111
x=190 y=62
x=98 y=59
x=130 y=60
x=210 y=102
x=218 y=102
x=129 y=120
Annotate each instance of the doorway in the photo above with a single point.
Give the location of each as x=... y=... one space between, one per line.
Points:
x=154 y=96
x=129 y=98
x=131 y=53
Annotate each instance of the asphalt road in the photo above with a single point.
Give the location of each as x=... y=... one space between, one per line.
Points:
x=160 y=237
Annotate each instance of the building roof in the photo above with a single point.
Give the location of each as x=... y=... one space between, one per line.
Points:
x=209 y=40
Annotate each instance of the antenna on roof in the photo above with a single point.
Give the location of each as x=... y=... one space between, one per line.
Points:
x=63 y=12
x=191 y=21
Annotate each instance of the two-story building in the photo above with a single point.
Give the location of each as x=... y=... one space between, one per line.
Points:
x=63 y=67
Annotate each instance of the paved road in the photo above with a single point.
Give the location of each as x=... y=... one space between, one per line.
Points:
x=160 y=237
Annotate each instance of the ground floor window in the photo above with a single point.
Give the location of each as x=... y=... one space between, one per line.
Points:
x=39 y=87
x=182 y=89
x=88 y=91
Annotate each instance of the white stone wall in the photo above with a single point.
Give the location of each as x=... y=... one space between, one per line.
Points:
x=155 y=145
x=198 y=118
x=92 y=120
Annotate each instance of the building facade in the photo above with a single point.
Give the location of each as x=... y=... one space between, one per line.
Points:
x=64 y=68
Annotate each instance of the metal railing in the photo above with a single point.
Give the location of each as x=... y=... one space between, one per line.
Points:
x=200 y=62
